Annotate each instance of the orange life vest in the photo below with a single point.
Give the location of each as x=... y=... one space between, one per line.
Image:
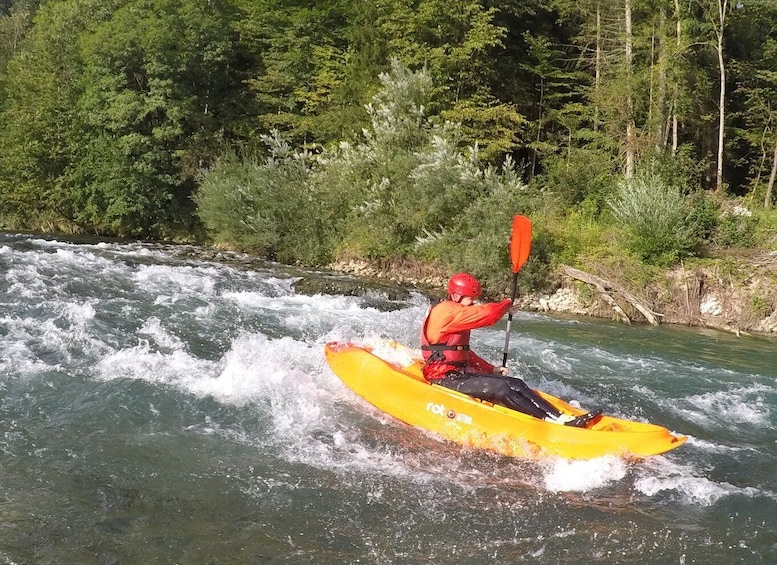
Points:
x=445 y=336
x=453 y=351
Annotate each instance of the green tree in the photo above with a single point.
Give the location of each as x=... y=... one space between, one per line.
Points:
x=15 y=20
x=315 y=65
x=408 y=182
x=375 y=174
x=37 y=141
x=112 y=108
x=753 y=148
x=457 y=42
x=266 y=205
x=158 y=87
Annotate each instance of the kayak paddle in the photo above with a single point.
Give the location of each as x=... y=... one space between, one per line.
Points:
x=520 y=243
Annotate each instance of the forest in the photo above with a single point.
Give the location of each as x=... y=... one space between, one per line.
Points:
x=642 y=131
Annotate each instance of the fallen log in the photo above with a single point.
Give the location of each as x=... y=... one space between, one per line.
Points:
x=607 y=288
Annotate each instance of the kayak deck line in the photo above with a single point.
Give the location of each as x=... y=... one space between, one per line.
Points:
x=389 y=377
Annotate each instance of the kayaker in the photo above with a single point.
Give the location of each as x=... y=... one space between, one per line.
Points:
x=450 y=362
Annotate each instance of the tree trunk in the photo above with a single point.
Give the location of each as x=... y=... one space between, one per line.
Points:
x=598 y=46
x=770 y=185
x=539 y=128
x=675 y=93
x=722 y=120
x=630 y=160
x=598 y=65
x=606 y=288
x=722 y=9
x=660 y=119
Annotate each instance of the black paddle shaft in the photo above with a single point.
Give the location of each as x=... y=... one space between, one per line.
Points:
x=510 y=320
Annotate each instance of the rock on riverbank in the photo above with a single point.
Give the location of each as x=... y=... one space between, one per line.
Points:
x=716 y=295
x=702 y=296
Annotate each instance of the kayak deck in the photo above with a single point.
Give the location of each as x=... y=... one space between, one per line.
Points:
x=389 y=377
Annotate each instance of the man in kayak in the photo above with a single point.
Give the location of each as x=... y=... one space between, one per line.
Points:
x=451 y=363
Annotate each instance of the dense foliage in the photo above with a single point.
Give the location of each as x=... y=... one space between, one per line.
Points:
x=310 y=130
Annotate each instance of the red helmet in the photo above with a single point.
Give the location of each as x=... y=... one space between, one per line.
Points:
x=464 y=284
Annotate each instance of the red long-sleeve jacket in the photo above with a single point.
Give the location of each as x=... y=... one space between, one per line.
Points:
x=450 y=322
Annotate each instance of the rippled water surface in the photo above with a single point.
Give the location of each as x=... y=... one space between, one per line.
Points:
x=160 y=408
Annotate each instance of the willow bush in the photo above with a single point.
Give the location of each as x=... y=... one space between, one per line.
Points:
x=656 y=219
x=478 y=241
x=399 y=176
x=265 y=205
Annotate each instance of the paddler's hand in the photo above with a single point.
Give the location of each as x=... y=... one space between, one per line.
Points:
x=503 y=371
x=514 y=310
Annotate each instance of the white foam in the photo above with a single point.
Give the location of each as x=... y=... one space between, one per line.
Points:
x=154 y=329
x=143 y=362
x=255 y=369
x=25 y=282
x=176 y=282
x=740 y=405
x=683 y=481
x=712 y=447
x=568 y=475
x=75 y=258
x=258 y=368
x=17 y=360
x=80 y=314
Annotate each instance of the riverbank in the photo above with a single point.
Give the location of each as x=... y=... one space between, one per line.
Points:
x=737 y=295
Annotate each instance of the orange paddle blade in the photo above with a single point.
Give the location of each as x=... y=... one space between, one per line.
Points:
x=520 y=241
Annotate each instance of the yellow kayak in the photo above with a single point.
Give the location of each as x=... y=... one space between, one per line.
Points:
x=389 y=377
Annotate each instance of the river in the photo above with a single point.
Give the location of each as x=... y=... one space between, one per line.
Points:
x=158 y=407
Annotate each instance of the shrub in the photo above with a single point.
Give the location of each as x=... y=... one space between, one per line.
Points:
x=479 y=240
x=703 y=217
x=766 y=231
x=265 y=205
x=576 y=234
x=655 y=218
x=736 y=229
x=581 y=178
x=404 y=188
x=409 y=188
x=386 y=182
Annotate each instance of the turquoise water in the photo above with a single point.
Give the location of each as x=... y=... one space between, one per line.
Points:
x=159 y=408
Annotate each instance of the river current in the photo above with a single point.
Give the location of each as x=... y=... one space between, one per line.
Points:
x=157 y=407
